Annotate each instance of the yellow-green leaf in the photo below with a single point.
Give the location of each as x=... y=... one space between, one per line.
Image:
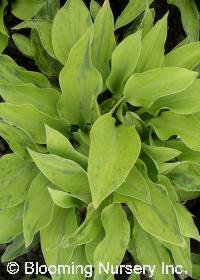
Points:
x=113 y=152
x=64 y=199
x=104 y=40
x=12 y=74
x=142 y=89
x=153 y=47
x=59 y=145
x=23 y=44
x=184 y=102
x=18 y=140
x=87 y=231
x=150 y=251
x=64 y=173
x=80 y=83
x=35 y=216
x=135 y=186
x=126 y=54
x=11 y=224
x=186 y=56
x=152 y=218
x=76 y=17
x=63 y=221
x=117 y=235
x=187 y=127
x=94 y=8
x=32 y=120
x=44 y=99
x=24 y=9
x=132 y=11
x=16 y=178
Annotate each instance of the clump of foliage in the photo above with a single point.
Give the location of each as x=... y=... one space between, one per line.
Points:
x=104 y=158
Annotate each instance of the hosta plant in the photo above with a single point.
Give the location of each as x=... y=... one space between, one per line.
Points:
x=103 y=158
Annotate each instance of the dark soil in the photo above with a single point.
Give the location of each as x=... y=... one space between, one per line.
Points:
x=175 y=35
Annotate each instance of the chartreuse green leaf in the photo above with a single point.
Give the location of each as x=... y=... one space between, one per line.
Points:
x=104 y=40
x=117 y=235
x=59 y=145
x=113 y=152
x=44 y=24
x=3 y=42
x=46 y=63
x=184 y=102
x=181 y=255
x=91 y=246
x=187 y=127
x=44 y=28
x=32 y=120
x=36 y=217
x=135 y=186
x=63 y=199
x=185 y=219
x=190 y=17
x=160 y=154
x=156 y=159
x=186 y=176
x=26 y=9
x=81 y=144
x=131 y=12
x=186 y=153
x=186 y=56
x=49 y=10
x=78 y=258
x=30 y=23
x=12 y=74
x=144 y=22
x=3 y=29
x=143 y=89
x=71 y=14
x=186 y=222
x=53 y=234
x=4 y=37
x=147 y=21
x=23 y=44
x=11 y=224
x=64 y=173
x=150 y=251
x=94 y=8
x=87 y=231
x=165 y=168
x=152 y=166
x=18 y=140
x=153 y=47
x=17 y=248
x=63 y=222
x=165 y=182
x=16 y=177
x=126 y=54
x=186 y=195
x=80 y=83
x=44 y=99
x=152 y=218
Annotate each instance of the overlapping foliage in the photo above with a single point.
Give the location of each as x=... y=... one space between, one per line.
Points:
x=104 y=158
